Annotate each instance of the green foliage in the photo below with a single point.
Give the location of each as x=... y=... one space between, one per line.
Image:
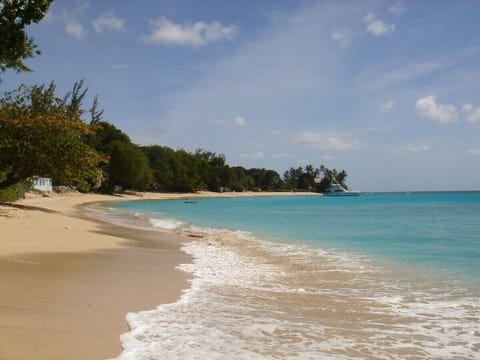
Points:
x=129 y=166
x=14 y=192
x=9 y=194
x=240 y=180
x=214 y=171
x=182 y=171
x=162 y=160
x=178 y=171
x=331 y=175
x=291 y=178
x=305 y=179
x=264 y=180
x=96 y=115
x=103 y=135
x=15 y=45
x=188 y=171
x=40 y=136
x=72 y=101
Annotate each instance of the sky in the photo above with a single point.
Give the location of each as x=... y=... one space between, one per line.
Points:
x=387 y=90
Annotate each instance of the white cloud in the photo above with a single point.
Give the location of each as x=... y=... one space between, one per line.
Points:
x=237 y=121
x=376 y=26
x=198 y=34
x=467 y=107
x=369 y=18
x=120 y=66
x=280 y=156
x=108 y=21
x=396 y=8
x=276 y=132
x=429 y=108
x=343 y=36
x=418 y=147
x=387 y=106
x=473 y=115
x=256 y=155
x=326 y=142
x=473 y=151
x=69 y=17
x=73 y=27
x=379 y=28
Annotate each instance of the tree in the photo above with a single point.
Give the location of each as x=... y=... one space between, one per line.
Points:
x=191 y=173
x=291 y=178
x=73 y=100
x=265 y=180
x=104 y=135
x=330 y=175
x=96 y=115
x=40 y=137
x=161 y=160
x=15 y=45
x=216 y=174
x=307 y=178
x=240 y=180
x=129 y=166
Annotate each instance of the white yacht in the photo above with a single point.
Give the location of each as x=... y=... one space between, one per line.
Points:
x=338 y=190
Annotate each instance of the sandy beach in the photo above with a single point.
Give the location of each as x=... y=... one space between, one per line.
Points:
x=68 y=281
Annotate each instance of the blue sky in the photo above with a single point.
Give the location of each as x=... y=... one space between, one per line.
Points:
x=387 y=90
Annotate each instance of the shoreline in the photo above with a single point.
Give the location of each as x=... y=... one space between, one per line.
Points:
x=69 y=280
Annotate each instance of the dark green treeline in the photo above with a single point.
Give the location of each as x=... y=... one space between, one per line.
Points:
x=43 y=134
x=161 y=168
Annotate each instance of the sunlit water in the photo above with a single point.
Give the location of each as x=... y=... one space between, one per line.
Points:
x=379 y=276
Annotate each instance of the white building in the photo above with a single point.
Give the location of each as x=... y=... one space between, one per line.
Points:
x=43 y=184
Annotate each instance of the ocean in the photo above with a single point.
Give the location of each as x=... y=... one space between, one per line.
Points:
x=378 y=276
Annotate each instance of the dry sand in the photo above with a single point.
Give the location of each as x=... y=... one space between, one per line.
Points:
x=67 y=282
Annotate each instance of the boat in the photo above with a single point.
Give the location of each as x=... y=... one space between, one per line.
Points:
x=338 y=190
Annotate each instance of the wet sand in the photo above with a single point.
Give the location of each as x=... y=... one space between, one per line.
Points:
x=67 y=281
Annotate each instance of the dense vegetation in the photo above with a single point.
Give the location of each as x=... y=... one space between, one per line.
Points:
x=43 y=134
x=15 y=45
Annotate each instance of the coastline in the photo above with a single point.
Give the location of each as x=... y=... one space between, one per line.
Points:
x=69 y=280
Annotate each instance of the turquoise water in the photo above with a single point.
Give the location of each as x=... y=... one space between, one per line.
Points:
x=379 y=276
x=437 y=231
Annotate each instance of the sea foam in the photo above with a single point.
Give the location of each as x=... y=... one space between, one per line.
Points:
x=166 y=224
x=254 y=298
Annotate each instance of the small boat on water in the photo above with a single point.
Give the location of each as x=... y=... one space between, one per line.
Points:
x=338 y=190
